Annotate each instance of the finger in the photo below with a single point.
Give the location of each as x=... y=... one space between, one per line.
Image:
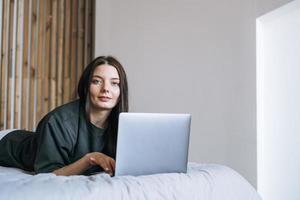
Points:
x=111 y=169
x=108 y=171
x=104 y=161
x=108 y=168
x=104 y=165
x=113 y=164
x=97 y=161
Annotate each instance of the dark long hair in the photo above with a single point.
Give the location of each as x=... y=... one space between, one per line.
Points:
x=122 y=105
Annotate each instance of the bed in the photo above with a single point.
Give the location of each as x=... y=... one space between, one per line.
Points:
x=202 y=181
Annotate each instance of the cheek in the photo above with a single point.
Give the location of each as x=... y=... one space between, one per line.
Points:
x=117 y=94
x=93 y=90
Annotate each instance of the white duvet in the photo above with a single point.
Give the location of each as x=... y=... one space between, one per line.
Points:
x=203 y=182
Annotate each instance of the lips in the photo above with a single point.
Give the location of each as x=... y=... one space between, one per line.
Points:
x=104 y=99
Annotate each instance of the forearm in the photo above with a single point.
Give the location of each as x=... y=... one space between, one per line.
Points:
x=75 y=168
x=90 y=159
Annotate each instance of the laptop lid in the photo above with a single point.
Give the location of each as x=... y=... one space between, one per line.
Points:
x=150 y=143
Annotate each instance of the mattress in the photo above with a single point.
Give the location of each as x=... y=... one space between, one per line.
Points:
x=202 y=181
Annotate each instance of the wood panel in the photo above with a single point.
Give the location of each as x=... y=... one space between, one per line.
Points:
x=67 y=52
x=10 y=99
x=45 y=45
x=4 y=57
x=25 y=68
x=32 y=54
x=48 y=29
x=74 y=47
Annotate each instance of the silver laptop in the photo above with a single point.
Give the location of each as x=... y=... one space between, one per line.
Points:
x=150 y=143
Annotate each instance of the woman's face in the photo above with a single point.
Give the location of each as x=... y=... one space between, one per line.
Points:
x=104 y=88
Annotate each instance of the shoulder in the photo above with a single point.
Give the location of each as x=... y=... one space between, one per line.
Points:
x=61 y=123
x=66 y=115
x=67 y=111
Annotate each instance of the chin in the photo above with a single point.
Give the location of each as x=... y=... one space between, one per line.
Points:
x=104 y=107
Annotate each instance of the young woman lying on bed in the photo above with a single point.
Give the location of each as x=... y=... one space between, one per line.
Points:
x=78 y=137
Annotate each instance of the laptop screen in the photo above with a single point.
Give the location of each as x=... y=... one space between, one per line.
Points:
x=150 y=143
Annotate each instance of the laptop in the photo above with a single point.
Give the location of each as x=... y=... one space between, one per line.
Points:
x=151 y=143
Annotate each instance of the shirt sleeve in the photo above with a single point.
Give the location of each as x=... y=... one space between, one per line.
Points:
x=54 y=146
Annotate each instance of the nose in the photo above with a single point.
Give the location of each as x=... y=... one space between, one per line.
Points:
x=105 y=87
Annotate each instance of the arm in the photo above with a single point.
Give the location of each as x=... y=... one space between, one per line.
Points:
x=55 y=143
x=90 y=159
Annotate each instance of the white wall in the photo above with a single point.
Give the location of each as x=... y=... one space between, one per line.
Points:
x=278 y=84
x=191 y=56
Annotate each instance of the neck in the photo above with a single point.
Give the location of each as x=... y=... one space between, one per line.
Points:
x=98 y=117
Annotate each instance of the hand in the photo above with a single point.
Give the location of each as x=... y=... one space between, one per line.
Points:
x=105 y=162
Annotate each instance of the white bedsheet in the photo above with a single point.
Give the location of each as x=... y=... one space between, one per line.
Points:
x=205 y=182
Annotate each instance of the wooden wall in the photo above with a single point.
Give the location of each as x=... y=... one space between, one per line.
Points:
x=44 y=46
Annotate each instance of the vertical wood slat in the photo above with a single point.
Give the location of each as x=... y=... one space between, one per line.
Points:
x=14 y=74
x=92 y=30
x=86 y=26
x=67 y=67
x=2 y=59
x=60 y=66
x=6 y=66
x=36 y=106
x=89 y=25
x=11 y=67
x=74 y=47
x=89 y=34
x=40 y=58
x=32 y=99
x=48 y=27
x=29 y=105
x=43 y=80
x=53 y=56
x=1 y=28
x=45 y=44
x=25 y=68
x=19 y=62
x=80 y=38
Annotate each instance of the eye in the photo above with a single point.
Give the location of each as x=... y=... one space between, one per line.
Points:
x=96 y=81
x=115 y=83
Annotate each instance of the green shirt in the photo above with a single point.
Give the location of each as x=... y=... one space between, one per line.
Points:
x=62 y=137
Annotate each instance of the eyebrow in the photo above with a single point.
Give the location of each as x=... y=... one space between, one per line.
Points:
x=97 y=76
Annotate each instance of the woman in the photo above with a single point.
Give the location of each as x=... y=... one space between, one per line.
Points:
x=78 y=137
